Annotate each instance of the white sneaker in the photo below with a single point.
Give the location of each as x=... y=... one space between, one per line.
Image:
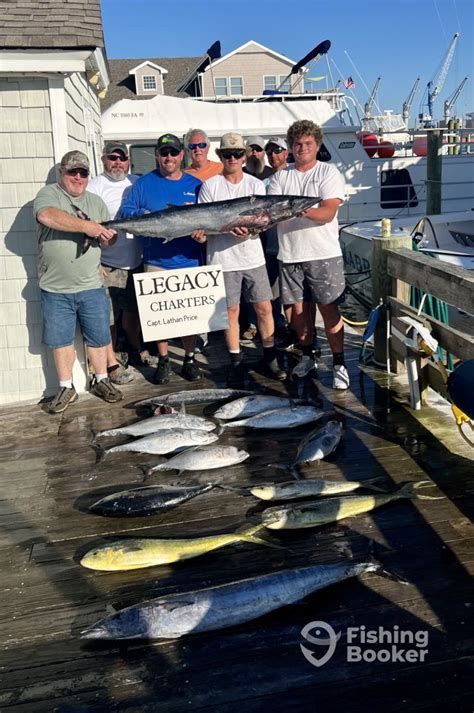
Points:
x=340 y=379
x=305 y=365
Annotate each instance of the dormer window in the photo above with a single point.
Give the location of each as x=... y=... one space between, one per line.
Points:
x=149 y=82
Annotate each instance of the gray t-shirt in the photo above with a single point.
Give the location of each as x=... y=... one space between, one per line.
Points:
x=62 y=267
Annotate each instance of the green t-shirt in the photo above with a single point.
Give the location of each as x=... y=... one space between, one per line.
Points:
x=61 y=265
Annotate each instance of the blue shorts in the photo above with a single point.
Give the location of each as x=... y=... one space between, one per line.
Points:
x=61 y=311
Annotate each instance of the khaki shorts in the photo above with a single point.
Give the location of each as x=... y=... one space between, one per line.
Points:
x=120 y=288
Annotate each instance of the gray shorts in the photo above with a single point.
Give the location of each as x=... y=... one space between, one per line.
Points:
x=252 y=284
x=120 y=288
x=323 y=281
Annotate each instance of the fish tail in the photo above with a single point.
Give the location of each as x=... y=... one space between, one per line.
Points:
x=410 y=491
x=381 y=570
x=249 y=535
x=288 y=468
x=369 y=484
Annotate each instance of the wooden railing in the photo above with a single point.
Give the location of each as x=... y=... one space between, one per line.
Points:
x=396 y=268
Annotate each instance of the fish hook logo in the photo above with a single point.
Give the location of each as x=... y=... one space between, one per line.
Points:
x=318 y=627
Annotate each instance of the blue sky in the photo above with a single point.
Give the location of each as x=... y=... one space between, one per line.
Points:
x=397 y=39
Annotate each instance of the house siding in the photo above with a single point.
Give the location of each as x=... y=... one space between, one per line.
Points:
x=252 y=64
x=27 y=163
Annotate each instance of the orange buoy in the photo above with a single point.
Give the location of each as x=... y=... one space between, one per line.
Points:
x=420 y=146
x=385 y=149
x=369 y=142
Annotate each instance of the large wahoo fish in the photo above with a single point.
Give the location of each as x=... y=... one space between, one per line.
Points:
x=253 y=212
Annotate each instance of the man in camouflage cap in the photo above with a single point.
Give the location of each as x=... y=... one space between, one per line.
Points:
x=70 y=279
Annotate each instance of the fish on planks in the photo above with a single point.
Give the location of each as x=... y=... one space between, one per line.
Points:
x=194 y=396
x=315 y=446
x=292 y=490
x=147 y=500
x=141 y=552
x=163 y=423
x=225 y=605
x=164 y=442
x=287 y=417
x=253 y=212
x=247 y=406
x=207 y=458
x=313 y=513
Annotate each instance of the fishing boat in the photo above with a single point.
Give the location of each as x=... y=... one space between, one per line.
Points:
x=448 y=237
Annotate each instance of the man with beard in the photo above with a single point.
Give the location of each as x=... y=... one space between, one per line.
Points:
x=120 y=261
x=167 y=185
x=255 y=158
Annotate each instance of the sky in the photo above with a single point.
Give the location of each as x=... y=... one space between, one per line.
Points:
x=398 y=40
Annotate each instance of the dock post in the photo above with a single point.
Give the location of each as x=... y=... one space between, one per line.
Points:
x=433 y=172
x=382 y=286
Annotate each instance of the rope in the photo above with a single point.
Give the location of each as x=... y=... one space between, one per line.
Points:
x=354 y=324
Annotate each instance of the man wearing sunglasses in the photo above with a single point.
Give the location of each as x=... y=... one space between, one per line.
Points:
x=255 y=162
x=167 y=185
x=309 y=250
x=120 y=261
x=197 y=144
x=241 y=255
x=70 y=279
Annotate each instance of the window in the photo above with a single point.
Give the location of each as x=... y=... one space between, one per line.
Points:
x=149 y=82
x=273 y=82
x=236 y=85
x=220 y=86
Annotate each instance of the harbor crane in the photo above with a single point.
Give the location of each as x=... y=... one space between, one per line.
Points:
x=450 y=101
x=368 y=104
x=434 y=87
x=408 y=101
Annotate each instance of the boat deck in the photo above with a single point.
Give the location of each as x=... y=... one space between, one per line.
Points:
x=49 y=474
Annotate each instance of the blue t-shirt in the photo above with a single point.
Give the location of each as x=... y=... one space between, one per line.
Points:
x=154 y=192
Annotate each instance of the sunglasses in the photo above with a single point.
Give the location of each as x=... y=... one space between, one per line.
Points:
x=114 y=157
x=200 y=145
x=236 y=153
x=277 y=149
x=169 y=152
x=83 y=172
x=255 y=147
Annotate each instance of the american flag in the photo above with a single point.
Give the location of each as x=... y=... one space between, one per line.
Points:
x=349 y=83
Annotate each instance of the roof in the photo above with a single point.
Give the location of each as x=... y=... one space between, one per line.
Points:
x=147 y=63
x=291 y=62
x=122 y=84
x=46 y=24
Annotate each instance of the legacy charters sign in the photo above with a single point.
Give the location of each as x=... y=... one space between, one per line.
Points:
x=174 y=303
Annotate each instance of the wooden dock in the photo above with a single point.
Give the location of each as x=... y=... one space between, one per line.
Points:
x=48 y=476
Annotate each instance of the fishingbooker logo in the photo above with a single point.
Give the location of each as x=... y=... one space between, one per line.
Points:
x=366 y=645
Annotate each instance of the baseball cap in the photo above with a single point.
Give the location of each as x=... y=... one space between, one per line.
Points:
x=255 y=141
x=232 y=141
x=75 y=159
x=277 y=142
x=111 y=146
x=169 y=140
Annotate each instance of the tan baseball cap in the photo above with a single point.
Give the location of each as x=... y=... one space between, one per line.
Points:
x=232 y=141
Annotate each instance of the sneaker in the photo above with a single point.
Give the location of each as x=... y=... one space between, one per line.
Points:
x=106 y=390
x=249 y=334
x=63 y=398
x=273 y=371
x=162 y=373
x=143 y=359
x=190 y=370
x=119 y=375
x=340 y=378
x=304 y=367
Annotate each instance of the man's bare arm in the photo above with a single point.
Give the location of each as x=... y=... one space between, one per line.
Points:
x=58 y=219
x=326 y=211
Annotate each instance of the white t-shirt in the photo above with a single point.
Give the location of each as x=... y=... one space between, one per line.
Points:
x=126 y=253
x=301 y=239
x=228 y=250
